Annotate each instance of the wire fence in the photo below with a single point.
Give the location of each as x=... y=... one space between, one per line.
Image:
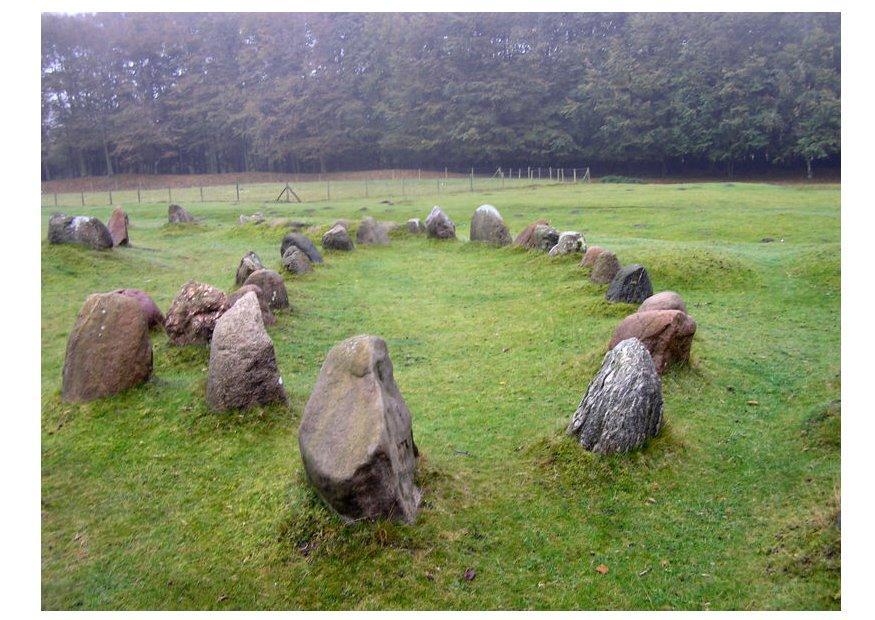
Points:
x=308 y=191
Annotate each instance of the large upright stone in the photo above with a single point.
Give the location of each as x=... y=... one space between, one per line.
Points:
x=438 y=225
x=154 y=317
x=337 y=238
x=79 y=229
x=272 y=285
x=178 y=215
x=622 y=406
x=249 y=264
x=570 y=242
x=605 y=267
x=526 y=238
x=267 y=316
x=631 y=285
x=303 y=243
x=108 y=350
x=193 y=313
x=243 y=370
x=118 y=227
x=488 y=226
x=667 y=334
x=356 y=437
x=371 y=232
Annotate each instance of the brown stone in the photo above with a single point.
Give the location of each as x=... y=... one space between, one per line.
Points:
x=666 y=300
x=605 y=267
x=108 y=350
x=273 y=286
x=667 y=335
x=267 y=316
x=371 y=232
x=592 y=253
x=526 y=238
x=193 y=313
x=337 y=238
x=154 y=317
x=118 y=227
x=249 y=264
x=178 y=215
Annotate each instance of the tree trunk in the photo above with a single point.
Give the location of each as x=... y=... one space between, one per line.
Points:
x=106 y=156
x=809 y=170
x=83 y=171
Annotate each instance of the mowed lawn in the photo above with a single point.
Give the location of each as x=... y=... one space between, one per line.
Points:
x=151 y=501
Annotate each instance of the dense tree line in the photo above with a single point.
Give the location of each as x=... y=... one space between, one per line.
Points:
x=677 y=93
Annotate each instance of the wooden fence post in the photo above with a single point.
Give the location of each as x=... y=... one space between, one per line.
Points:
x=169 y=195
x=366 y=187
x=56 y=201
x=82 y=196
x=472 y=179
x=403 y=187
x=328 y=189
x=202 y=193
x=110 y=197
x=238 y=191
x=138 y=193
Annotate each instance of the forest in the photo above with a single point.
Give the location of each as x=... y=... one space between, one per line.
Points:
x=628 y=93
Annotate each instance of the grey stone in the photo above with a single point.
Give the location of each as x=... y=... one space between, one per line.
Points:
x=303 y=243
x=80 y=230
x=266 y=315
x=295 y=261
x=255 y=218
x=438 y=225
x=605 y=267
x=272 y=285
x=178 y=215
x=371 y=232
x=243 y=370
x=356 y=435
x=337 y=239
x=570 y=242
x=631 y=285
x=488 y=226
x=193 y=313
x=414 y=226
x=622 y=407
x=248 y=264
x=545 y=237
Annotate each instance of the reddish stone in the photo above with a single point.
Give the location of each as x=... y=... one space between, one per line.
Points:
x=192 y=316
x=118 y=227
x=267 y=316
x=666 y=300
x=592 y=253
x=150 y=308
x=667 y=334
x=526 y=238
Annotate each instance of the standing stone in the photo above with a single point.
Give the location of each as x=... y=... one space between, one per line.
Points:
x=488 y=226
x=303 y=243
x=81 y=230
x=526 y=238
x=337 y=239
x=666 y=300
x=343 y=222
x=631 y=285
x=248 y=264
x=118 y=227
x=356 y=437
x=414 y=226
x=371 y=232
x=622 y=407
x=243 y=370
x=605 y=268
x=667 y=334
x=178 y=215
x=295 y=261
x=193 y=313
x=545 y=237
x=267 y=316
x=272 y=285
x=108 y=350
x=150 y=309
x=438 y=225
x=592 y=253
x=570 y=242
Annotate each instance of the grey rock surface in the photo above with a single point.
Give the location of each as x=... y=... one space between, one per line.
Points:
x=80 y=230
x=249 y=264
x=371 y=232
x=570 y=242
x=178 y=215
x=438 y=225
x=488 y=226
x=631 y=285
x=272 y=285
x=303 y=243
x=337 y=238
x=296 y=262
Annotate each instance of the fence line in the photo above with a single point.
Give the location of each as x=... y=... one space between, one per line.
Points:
x=324 y=190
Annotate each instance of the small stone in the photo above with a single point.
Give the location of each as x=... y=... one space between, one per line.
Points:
x=414 y=226
x=295 y=261
x=605 y=268
x=371 y=232
x=438 y=225
x=526 y=238
x=248 y=264
x=255 y=218
x=589 y=258
x=570 y=242
x=545 y=237
x=303 y=243
x=178 y=215
x=272 y=285
x=337 y=239
x=631 y=285
x=118 y=227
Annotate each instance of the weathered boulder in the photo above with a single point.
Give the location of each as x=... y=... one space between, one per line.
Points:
x=622 y=406
x=371 y=232
x=488 y=226
x=545 y=237
x=154 y=317
x=255 y=218
x=667 y=334
x=248 y=264
x=303 y=243
x=526 y=238
x=589 y=258
x=295 y=261
x=178 y=215
x=118 y=227
x=272 y=285
x=342 y=222
x=666 y=300
x=193 y=313
x=267 y=316
x=108 y=350
x=569 y=242
x=356 y=437
x=605 y=267
x=438 y=225
x=631 y=285
x=414 y=226
x=81 y=230
x=337 y=239
x=243 y=370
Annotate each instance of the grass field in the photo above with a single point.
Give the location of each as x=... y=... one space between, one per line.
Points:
x=151 y=501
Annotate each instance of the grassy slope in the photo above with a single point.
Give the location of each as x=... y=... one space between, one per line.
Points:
x=151 y=501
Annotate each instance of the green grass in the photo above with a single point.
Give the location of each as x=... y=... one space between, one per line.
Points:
x=151 y=501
